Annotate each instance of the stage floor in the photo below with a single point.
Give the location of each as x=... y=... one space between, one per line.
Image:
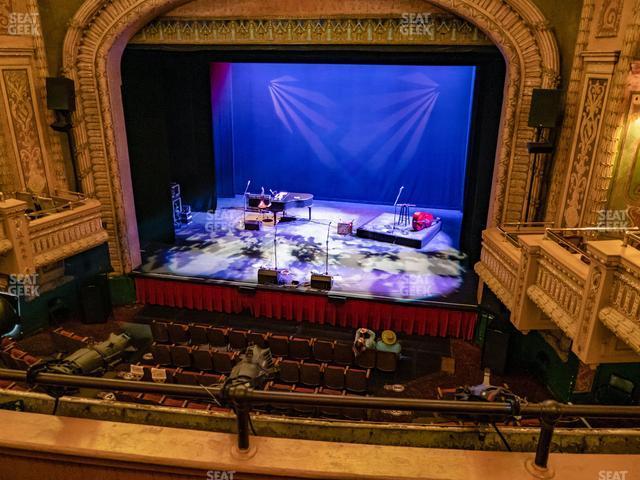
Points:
x=215 y=246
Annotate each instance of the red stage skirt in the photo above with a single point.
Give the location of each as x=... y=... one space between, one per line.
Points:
x=301 y=307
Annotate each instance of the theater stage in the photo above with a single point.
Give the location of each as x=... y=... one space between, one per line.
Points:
x=216 y=247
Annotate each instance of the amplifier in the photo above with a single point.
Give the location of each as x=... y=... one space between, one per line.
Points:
x=345 y=228
x=252 y=224
x=269 y=276
x=321 y=282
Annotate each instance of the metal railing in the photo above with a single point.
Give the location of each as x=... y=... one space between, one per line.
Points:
x=241 y=398
x=511 y=230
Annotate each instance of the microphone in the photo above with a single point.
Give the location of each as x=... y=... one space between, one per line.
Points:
x=394 y=209
x=326 y=262
x=247 y=187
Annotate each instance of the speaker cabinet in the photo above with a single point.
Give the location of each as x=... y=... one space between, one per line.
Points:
x=95 y=300
x=252 y=225
x=545 y=108
x=321 y=282
x=269 y=276
x=61 y=94
x=495 y=351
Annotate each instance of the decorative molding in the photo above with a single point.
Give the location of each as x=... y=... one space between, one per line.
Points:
x=25 y=129
x=5 y=11
x=587 y=131
x=602 y=175
x=609 y=19
x=439 y=30
x=516 y=26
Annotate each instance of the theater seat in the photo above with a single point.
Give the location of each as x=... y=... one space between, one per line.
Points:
x=289 y=371
x=198 y=334
x=343 y=353
x=300 y=348
x=366 y=358
x=208 y=379
x=238 y=339
x=330 y=411
x=223 y=362
x=257 y=338
x=197 y=405
x=218 y=336
x=387 y=361
x=181 y=356
x=334 y=377
x=174 y=402
x=159 y=332
x=161 y=353
x=323 y=351
x=357 y=380
x=178 y=333
x=279 y=345
x=202 y=358
x=311 y=374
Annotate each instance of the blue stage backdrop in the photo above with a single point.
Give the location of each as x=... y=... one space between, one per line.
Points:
x=343 y=132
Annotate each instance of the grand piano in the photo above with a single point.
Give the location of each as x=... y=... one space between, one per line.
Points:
x=281 y=201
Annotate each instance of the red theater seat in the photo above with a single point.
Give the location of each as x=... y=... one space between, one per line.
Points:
x=300 y=348
x=161 y=353
x=238 y=339
x=159 y=332
x=343 y=353
x=354 y=413
x=305 y=409
x=366 y=358
x=357 y=380
x=289 y=371
x=186 y=377
x=218 y=336
x=259 y=339
x=279 y=387
x=334 y=377
x=387 y=361
x=181 y=356
x=198 y=334
x=327 y=410
x=178 y=333
x=311 y=374
x=202 y=358
x=223 y=362
x=279 y=345
x=323 y=351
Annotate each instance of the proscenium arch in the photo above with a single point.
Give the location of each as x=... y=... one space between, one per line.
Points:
x=100 y=30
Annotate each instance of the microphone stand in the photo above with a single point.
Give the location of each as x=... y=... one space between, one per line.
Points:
x=395 y=209
x=244 y=214
x=326 y=261
x=275 y=244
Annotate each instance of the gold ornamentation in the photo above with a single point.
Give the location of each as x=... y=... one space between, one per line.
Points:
x=587 y=131
x=5 y=12
x=609 y=19
x=25 y=129
x=440 y=29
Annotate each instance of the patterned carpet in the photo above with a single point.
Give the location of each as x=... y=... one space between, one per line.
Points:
x=216 y=246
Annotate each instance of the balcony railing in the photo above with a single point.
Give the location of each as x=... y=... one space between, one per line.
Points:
x=241 y=397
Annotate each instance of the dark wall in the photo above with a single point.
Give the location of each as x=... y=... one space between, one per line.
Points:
x=168 y=120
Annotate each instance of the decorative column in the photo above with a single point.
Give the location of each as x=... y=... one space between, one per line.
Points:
x=598 y=68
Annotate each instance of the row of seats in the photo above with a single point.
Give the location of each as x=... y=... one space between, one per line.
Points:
x=297 y=348
x=14 y=357
x=305 y=372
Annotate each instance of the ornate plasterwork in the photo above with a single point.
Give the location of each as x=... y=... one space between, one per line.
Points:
x=5 y=11
x=440 y=29
x=25 y=129
x=610 y=137
x=588 y=129
x=609 y=18
x=100 y=29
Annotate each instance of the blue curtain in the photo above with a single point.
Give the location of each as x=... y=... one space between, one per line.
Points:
x=344 y=132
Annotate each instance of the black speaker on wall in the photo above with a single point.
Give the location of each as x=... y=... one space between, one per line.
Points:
x=61 y=94
x=495 y=350
x=545 y=108
x=95 y=300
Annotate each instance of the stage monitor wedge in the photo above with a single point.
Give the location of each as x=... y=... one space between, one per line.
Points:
x=321 y=281
x=61 y=94
x=545 y=108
